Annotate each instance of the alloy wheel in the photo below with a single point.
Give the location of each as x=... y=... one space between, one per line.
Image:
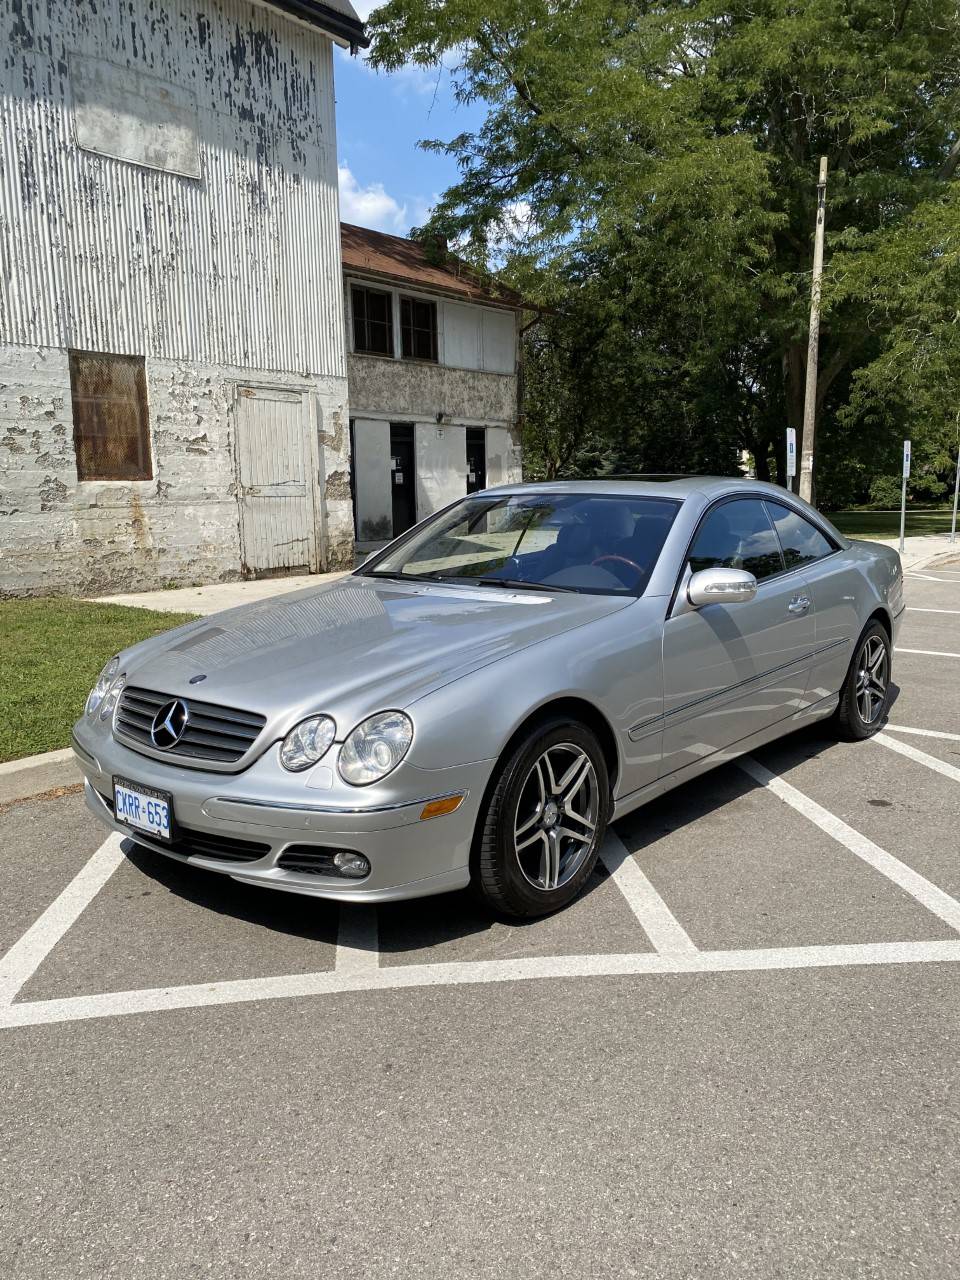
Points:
x=873 y=672
x=557 y=814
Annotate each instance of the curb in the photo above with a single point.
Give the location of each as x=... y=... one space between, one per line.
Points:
x=36 y=762
x=944 y=559
x=34 y=775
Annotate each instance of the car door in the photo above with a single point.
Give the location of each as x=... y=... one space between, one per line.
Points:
x=835 y=588
x=731 y=670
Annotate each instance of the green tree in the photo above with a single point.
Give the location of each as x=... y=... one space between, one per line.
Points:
x=907 y=281
x=664 y=157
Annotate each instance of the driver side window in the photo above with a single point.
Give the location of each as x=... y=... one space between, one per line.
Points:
x=738 y=535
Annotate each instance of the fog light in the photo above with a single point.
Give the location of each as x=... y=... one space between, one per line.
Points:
x=354 y=865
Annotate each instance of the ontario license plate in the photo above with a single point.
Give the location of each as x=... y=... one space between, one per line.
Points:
x=143 y=808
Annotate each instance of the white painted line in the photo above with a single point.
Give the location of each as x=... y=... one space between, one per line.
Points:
x=358 y=940
x=921 y=757
x=26 y=955
x=925 y=892
x=930 y=653
x=927 y=577
x=657 y=920
x=925 y=733
x=400 y=977
x=37 y=762
x=912 y=608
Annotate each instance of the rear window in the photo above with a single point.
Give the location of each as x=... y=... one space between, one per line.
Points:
x=801 y=541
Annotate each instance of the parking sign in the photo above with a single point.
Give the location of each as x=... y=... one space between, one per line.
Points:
x=791 y=452
x=906 y=458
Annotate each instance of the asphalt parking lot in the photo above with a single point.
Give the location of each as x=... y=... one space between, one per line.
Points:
x=736 y=1055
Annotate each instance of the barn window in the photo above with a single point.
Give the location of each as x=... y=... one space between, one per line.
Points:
x=418 y=329
x=111 y=432
x=372 y=321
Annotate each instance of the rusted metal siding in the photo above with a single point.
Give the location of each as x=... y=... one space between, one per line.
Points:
x=240 y=267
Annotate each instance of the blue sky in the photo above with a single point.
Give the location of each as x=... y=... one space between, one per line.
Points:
x=386 y=181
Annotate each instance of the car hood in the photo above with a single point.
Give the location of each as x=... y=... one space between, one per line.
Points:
x=354 y=646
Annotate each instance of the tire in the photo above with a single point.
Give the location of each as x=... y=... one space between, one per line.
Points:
x=544 y=821
x=860 y=693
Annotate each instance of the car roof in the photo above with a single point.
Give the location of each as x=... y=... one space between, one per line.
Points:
x=649 y=486
x=678 y=488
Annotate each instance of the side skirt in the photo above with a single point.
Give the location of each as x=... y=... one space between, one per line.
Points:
x=818 y=711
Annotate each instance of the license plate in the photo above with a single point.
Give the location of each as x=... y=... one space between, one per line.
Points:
x=143 y=808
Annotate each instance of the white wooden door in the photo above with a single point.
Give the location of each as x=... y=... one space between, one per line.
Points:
x=278 y=529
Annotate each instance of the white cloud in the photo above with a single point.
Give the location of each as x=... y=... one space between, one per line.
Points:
x=409 y=82
x=512 y=230
x=370 y=206
x=517 y=219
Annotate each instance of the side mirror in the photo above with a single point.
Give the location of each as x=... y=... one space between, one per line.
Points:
x=721 y=586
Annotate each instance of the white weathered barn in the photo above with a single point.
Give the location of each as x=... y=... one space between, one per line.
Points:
x=173 y=383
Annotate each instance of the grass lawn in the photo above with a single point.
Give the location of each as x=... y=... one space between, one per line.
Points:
x=859 y=523
x=52 y=652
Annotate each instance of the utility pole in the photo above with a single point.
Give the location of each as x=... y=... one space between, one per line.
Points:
x=813 y=343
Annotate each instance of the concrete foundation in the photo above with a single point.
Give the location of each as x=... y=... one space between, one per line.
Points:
x=61 y=535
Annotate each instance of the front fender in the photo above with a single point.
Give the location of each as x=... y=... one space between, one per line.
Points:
x=614 y=664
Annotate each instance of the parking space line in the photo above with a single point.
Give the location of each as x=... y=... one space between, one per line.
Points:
x=912 y=608
x=27 y=954
x=460 y=973
x=656 y=919
x=925 y=733
x=358 y=940
x=929 y=653
x=924 y=891
x=927 y=577
x=921 y=757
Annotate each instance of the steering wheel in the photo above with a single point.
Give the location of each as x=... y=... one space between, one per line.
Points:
x=620 y=559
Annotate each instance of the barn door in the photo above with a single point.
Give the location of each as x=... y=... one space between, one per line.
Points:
x=278 y=529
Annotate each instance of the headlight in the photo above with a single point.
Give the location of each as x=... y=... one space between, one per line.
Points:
x=110 y=701
x=375 y=747
x=305 y=744
x=104 y=681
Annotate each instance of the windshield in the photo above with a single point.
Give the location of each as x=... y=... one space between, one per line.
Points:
x=563 y=542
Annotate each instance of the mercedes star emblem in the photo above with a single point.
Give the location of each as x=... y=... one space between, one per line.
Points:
x=169 y=724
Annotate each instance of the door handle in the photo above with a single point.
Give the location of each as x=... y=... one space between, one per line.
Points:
x=799 y=604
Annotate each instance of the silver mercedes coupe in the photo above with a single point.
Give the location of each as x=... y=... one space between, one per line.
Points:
x=479 y=700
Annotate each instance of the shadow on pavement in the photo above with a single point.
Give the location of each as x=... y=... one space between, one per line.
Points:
x=698 y=799
x=422 y=923
x=426 y=922
x=310 y=918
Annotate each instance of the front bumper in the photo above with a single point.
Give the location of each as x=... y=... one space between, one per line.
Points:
x=409 y=858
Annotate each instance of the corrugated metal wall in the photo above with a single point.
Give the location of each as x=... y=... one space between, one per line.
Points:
x=239 y=267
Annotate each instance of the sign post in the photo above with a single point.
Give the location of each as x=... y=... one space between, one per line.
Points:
x=903 y=494
x=791 y=456
x=956 y=494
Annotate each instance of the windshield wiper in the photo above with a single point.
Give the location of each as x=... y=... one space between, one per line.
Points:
x=519 y=585
x=515 y=584
x=404 y=577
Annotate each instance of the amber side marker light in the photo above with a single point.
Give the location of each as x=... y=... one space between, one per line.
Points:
x=437 y=808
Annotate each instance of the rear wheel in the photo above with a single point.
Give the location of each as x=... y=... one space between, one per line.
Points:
x=864 y=696
x=544 y=821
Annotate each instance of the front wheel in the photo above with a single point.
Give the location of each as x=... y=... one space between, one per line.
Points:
x=544 y=821
x=865 y=693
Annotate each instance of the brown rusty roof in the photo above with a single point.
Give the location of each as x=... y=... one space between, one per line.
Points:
x=374 y=253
